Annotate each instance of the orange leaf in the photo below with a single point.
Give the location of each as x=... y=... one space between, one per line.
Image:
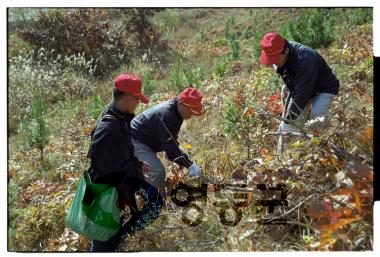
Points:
x=249 y=112
x=369 y=133
x=249 y=197
x=358 y=203
x=343 y=191
x=86 y=131
x=67 y=175
x=344 y=212
x=325 y=241
x=331 y=228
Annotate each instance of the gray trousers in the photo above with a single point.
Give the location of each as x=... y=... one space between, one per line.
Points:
x=157 y=169
x=316 y=107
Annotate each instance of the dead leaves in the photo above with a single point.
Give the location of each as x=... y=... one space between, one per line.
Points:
x=343 y=206
x=248 y=112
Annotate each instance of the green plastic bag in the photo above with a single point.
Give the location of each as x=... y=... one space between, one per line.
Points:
x=99 y=219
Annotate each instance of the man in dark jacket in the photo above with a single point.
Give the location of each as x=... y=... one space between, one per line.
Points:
x=113 y=160
x=156 y=130
x=309 y=82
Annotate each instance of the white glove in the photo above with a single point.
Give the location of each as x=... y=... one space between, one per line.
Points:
x=318 y=123
x=194 y=170
x=287 y=128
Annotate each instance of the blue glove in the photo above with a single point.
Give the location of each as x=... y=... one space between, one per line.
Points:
x=194 y=170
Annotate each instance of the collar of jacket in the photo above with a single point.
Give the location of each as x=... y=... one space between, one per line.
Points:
x=289 y=61
x=119 y=114
x=174 y=103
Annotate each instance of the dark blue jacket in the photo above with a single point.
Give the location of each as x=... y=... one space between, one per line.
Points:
x=158 y=128
x=305 y=74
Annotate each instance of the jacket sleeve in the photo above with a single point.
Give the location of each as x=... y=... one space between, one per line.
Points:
x=111 y=162
x=169 y=143
x=304 y=83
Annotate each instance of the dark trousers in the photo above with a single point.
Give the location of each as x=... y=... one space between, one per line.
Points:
x=138 y=222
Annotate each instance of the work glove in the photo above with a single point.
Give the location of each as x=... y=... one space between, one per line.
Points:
x=318 y=123
x=194 y=170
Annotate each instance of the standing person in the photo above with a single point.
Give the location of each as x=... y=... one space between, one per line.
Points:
x=113 y=160
x=156 y=130
x=310 y=85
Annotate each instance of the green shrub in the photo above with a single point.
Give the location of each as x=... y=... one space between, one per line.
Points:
x=96 y=106
x=194 y=76
x=311 y=28
x=201 y=36
x=169 y=20
x=220 y=41
x=350 y=17
x=361 y=16
x=37 y=131
x=234 y=45
x=175 y=78
x=239 y=119
x=221 y=66
x=149 y=84
x=230 y=22
x=183 y=76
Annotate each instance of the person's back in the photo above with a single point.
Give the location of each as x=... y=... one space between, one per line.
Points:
x=149 y=126
x=302 y=62
x=113 y=127
x=156 y=130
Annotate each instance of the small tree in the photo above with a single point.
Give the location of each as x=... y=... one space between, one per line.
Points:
x=37 y=131
x=239 y=119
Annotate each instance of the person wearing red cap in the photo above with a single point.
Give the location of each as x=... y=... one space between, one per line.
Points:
x=113 y=159
x=156 y=130
x=310 y=85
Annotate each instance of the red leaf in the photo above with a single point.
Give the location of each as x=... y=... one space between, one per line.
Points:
x=274 y=103
x=330 y=210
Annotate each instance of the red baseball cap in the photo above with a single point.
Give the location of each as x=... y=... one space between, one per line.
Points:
x=271 y=45
x=192 y=98
x=131 y=84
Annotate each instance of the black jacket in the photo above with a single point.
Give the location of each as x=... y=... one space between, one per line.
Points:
x=158 y=128
x=112 y=154
x=305 y=74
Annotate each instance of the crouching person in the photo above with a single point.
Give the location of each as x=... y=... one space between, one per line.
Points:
x=156 y=130
x=310 y=84
x=113 y=159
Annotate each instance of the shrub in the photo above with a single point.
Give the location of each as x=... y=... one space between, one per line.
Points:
x=183 y=75
x=221 y=66
x=148 y=84
x=239 y=119
x=96 y=106
x=64 y=77
x=37 y=131
x=311 y=28
x=88 y=32
x=167 y=21
x=230 y=22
